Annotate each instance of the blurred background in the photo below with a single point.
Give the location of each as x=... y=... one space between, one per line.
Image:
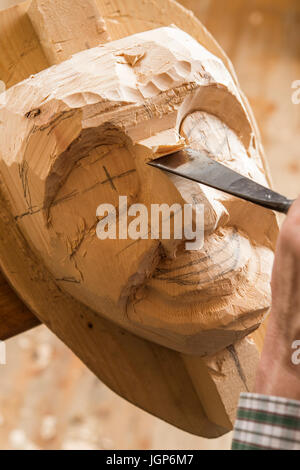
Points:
x=48 y=398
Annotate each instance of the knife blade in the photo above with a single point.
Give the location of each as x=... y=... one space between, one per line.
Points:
x=197 y=166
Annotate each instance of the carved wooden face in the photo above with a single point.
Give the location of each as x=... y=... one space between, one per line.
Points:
x=79 y=135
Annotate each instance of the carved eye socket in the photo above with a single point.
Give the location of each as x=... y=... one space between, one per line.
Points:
x=99 y=176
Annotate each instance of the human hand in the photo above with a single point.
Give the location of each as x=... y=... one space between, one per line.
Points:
x=279 y=369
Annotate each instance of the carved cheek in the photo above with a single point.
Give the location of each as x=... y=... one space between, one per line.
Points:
x=84 y=265
x=64 y=175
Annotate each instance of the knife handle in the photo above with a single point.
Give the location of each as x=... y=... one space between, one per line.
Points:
x=283 y=207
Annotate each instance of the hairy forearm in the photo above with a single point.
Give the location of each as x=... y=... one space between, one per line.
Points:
x=277 y=375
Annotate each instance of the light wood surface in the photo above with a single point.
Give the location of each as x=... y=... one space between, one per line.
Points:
x=285 y=59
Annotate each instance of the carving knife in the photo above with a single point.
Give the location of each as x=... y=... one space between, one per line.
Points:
x=197 y=166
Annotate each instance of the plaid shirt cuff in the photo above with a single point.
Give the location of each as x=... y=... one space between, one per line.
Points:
x=267 y=423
